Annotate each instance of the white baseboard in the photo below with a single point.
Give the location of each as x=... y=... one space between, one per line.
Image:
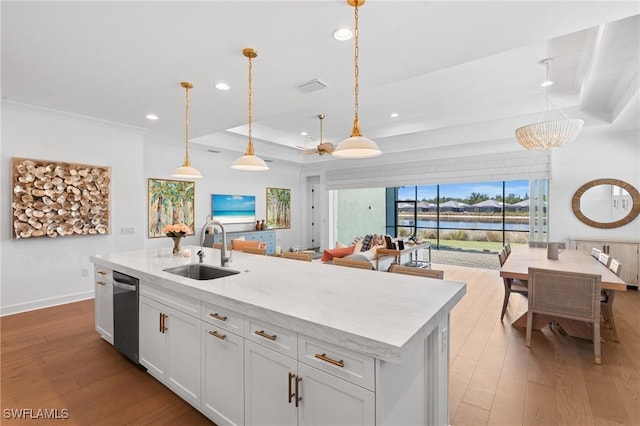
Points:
x=45 y=303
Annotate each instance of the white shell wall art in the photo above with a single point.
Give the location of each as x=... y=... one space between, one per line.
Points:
x=57 y=199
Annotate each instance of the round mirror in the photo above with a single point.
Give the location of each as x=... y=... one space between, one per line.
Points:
x=606 y=203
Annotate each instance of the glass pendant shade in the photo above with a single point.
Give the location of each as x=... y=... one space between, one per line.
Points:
x=186 y=172
x=250 y=162
x=549 y=134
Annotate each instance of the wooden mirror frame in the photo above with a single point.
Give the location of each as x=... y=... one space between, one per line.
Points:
x=633 y=213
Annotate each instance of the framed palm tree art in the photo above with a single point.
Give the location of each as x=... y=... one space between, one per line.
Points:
x=170 y=202
x=278 y=208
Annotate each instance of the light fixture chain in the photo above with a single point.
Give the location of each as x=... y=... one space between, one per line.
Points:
x=355 y=58
x=186 y=127
x=250 y=94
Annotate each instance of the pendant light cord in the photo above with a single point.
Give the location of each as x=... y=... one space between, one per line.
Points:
x=249 y=97
x=356 y=87
x=186 y=125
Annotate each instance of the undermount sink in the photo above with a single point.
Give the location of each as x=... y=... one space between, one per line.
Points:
x=198 y=271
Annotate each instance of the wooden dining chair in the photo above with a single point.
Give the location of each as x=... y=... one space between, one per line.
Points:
x=418 y=272
x=352 y=263
x=511 y=285
x=507 y=249
x=254 y=250
x=569 y=295
x=596 y=252
x=606 y=302
x=297 y=255
x=604 y=259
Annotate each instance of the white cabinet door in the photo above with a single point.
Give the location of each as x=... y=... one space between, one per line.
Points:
x=104 y=308
x=267 y=387
x=329 y=400
x=183 y=355
x=222 y=376
x=153 y=342
x=627 y=254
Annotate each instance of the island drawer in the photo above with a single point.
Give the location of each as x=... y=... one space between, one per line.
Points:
x=103 y=273
x=348 y=365
x=223 y=318
x=273 y=337
x=185 y=304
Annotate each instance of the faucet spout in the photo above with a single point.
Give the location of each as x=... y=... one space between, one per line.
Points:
x=224 y=260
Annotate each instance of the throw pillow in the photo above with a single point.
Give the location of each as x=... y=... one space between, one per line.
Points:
x=329 y=254
x=366 y=242
x=238 y=244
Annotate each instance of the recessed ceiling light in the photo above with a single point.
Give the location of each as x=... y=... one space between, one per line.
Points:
x=394 y=115
x=151 y=117
x=343 y=34
x=546 y=83
x=304 y=133
x=222 y=86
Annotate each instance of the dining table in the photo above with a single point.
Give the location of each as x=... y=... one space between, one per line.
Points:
x=523 y=257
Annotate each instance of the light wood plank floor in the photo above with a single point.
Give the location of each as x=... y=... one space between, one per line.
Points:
x=496 y=380
x=52 y=358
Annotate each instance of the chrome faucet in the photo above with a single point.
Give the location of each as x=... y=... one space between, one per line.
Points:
x=224 y=260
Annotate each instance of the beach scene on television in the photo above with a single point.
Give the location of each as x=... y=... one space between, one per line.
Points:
x=233 y=208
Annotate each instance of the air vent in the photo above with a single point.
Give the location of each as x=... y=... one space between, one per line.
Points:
x=213 y=151
x=311 y=86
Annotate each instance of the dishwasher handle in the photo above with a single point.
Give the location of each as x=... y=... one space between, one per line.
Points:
x=123 y=286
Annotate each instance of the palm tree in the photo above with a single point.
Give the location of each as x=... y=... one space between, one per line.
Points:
x=158 y=189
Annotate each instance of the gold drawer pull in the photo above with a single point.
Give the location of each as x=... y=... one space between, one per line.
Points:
x=218 y=335
x=102 y=273
x=218 y=316
x=325 y=358
x=265 y=335
x=101 y=283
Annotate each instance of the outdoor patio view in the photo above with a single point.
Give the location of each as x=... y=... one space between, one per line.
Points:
x=471 y=216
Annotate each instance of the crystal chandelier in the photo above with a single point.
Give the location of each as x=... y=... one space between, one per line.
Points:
x=356 y=146
x=549 y=133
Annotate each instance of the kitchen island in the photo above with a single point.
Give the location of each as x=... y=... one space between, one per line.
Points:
x=309 y=343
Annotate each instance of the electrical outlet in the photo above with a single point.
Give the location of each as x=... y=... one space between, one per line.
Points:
x=85 y=272
x=127 y=231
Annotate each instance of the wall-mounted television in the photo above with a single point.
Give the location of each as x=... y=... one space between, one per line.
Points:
x=233 y=208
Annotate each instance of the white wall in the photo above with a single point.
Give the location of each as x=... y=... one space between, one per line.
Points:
x=45 y=271
x=592 y=156
x=165 y=153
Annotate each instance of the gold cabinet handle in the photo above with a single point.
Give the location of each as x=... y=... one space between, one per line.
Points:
x=291 y=395
x=101 y=283
x=102 y=273
x=298 y=398
x=218 y=316
x=163 y=325
x=160 y=324
x=218 y=335
x=265 y=335
x=325 y=358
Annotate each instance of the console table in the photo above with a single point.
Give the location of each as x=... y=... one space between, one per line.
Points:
x=267 y=236
x=410 y=249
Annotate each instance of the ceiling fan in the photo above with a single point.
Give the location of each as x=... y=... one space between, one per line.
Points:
x=322 y=148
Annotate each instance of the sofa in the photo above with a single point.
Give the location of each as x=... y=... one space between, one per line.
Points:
x=362 y=248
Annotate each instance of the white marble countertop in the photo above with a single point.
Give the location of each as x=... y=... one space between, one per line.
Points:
x=375 y=313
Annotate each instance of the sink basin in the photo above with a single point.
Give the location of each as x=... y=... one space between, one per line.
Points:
x=198 y=271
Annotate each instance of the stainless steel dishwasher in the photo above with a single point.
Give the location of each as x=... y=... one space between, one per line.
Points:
x=125 y=315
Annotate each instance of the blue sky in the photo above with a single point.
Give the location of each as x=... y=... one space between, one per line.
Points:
x=464 y=190
x=233 y=202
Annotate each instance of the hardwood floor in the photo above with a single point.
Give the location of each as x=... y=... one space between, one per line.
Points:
x=53 y=359
x=496 y=380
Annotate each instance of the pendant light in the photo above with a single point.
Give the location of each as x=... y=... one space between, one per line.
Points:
x=186 y=171
x=250 y=161
x=549 y=133
x=356 y=146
